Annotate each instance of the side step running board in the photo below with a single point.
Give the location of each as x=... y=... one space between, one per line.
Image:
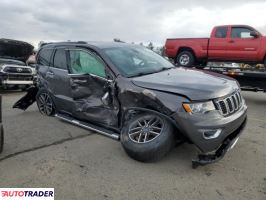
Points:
x=88 y=126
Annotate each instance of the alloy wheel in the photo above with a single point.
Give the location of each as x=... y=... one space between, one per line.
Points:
x=146 y=129
x=184 y=59
x=45 y=104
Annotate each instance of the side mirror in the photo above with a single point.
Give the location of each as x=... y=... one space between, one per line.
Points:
x=254 y=34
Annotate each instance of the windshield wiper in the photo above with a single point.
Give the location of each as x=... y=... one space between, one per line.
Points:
x=141 y=74
x=152 y=72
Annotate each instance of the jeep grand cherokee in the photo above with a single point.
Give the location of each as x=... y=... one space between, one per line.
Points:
x=130 y=93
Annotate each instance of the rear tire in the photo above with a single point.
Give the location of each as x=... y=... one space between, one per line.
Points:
x=45 y=103
x=264 y=63
x=154 y=141
x=185 y=59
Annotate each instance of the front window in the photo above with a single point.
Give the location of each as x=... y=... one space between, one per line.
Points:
x=136 y=61
x=60 y=61
x=239 y=32
x=83 y=62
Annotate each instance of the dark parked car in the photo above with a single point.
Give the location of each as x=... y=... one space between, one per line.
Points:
x=130 y=93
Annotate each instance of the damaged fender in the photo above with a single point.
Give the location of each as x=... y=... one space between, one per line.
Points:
x=27 y=100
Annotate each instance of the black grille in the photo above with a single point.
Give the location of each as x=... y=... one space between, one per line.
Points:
x=19 y=77
x=234 y=102
x=229 y=105
x=223 y=107
x=17 y=70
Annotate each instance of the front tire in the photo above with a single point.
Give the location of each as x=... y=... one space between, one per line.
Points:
x=185 y=59
x=147 y=137
x=45 y=103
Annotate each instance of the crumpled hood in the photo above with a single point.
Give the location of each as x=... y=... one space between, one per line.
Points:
x=14 y=49
x=194 y=84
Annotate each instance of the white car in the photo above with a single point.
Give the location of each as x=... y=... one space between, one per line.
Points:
x=15 y=74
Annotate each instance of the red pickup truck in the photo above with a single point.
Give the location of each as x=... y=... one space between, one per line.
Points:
x=230 y=43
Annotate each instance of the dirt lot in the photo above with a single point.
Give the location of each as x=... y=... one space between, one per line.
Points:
x=46 y=152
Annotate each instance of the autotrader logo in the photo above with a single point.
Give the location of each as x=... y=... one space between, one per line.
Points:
x=26 y=193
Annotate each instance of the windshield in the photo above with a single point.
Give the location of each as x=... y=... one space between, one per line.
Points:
x=136 y=61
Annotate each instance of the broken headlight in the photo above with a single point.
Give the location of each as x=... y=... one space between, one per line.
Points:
x=201 y=108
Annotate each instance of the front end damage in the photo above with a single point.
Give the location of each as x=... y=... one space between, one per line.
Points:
x=130 y=98
x=227 y=145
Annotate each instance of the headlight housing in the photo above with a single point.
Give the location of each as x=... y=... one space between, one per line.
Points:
x=201 y=107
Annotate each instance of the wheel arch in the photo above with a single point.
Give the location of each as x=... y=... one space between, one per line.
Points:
x=184 y=48
x=136 y=110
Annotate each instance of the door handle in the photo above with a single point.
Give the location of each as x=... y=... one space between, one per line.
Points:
x=231 y=41
x=79 y=81
x=50 y=73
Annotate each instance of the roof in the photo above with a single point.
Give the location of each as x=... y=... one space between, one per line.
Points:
x=235 y=25
x=100 y=45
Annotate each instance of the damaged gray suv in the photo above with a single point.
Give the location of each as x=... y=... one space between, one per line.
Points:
x=131 y=94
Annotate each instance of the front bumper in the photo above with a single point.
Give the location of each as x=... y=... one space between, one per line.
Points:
x=12 y=82
x=16 y=79
x=192 y=125
x=227 y=144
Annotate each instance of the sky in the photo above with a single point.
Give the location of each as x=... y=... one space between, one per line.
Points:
x=129 y=20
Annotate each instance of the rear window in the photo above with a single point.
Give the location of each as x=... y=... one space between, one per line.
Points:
x=44 y=57
x=221 y=32
x=60 y=59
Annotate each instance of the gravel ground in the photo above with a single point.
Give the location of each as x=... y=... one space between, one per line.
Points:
x=46 y=152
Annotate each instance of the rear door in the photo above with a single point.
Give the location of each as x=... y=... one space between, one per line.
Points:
x=218 y=44
x=57 y=76
x=242 y=46
x=92 y=88
x=44 y=60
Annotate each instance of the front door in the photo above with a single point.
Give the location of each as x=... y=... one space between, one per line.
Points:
x=242 y=46
x=92 y=92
